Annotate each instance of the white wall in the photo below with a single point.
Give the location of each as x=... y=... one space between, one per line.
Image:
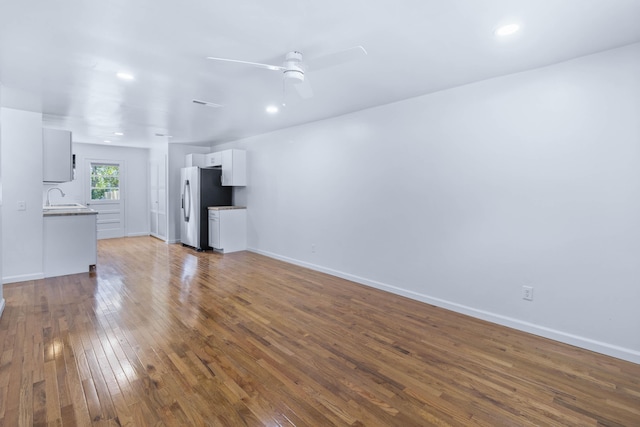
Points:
x=2 y=302
x=21 y=165
x=461 y=197
x=136 y=183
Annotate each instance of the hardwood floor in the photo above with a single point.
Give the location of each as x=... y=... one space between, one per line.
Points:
x=162 y=335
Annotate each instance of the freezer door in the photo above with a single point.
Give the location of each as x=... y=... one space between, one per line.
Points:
x=189 y=206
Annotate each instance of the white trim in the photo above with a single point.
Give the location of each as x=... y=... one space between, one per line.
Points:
x=22 y=278
x=2 y=304
x=138 y=234
x=105 y=201
x=561 y=336
x=156 y=236
x=108 y=221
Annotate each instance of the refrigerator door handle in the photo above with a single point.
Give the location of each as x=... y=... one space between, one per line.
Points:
x=187 y=208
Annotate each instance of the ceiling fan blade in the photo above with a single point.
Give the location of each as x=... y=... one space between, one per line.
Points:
x=255 y=64
x=304 y=89
x=336 y=58
x=206 y=103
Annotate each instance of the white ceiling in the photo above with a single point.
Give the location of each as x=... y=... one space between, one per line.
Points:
x=60 y=57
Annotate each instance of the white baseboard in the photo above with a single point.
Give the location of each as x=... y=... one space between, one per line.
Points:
x=138 y=234
x=2 y=303
x=22 y=278
x=161 y=238
x=556 y=335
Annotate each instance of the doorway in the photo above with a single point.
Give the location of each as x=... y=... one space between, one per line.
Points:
x=158 y=202
x=105 y=194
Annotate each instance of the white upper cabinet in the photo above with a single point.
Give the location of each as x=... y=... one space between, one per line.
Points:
x=57 y=156
x=195 y=159
x=232 y=162
x=234 y=167
x=213 y=159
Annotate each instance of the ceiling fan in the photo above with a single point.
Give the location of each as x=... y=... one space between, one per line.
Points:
x=294 y=69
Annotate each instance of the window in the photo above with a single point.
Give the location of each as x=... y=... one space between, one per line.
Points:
x=105 y=182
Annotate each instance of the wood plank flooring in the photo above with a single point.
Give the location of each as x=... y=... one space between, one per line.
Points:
x=161 y=335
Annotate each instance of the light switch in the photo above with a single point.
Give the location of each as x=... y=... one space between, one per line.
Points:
x=22 y=205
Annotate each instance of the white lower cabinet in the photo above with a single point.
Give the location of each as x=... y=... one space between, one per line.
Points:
x=70 y=245
x=228 y=229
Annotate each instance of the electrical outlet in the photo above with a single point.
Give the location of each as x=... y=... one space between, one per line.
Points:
x=313 y=248
x=22 y=205
x=527 y=293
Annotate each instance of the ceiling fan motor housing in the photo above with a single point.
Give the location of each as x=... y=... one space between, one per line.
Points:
x=293 y=67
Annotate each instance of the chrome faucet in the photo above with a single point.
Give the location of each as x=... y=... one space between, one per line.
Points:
x=49 y=191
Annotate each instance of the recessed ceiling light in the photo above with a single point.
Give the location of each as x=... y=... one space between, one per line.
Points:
x=506 y=30
x=272 y=109
x=106 y=141
x=125 y=76
x=118 y=133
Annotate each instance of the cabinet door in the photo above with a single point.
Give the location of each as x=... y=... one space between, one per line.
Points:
x=56 y=150
x=234 y=170
x=239 y=168
x=214 y=230
x=194 y=159
x=227 y=167
x=233 y=230
x=213 y=159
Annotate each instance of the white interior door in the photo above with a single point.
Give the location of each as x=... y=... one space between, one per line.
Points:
x=158 y=202
x=153 y=198
x=105 y=194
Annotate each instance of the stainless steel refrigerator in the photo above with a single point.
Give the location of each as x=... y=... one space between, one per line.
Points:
x=201 y=188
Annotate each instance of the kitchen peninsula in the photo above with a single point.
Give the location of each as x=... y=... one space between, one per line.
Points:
x=70 y=239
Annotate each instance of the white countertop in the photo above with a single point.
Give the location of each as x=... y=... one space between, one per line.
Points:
x=65 y=210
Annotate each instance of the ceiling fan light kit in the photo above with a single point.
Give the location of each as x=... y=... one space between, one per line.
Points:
x=293 y=69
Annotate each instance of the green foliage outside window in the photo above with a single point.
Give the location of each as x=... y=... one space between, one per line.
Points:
x=105 y=182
